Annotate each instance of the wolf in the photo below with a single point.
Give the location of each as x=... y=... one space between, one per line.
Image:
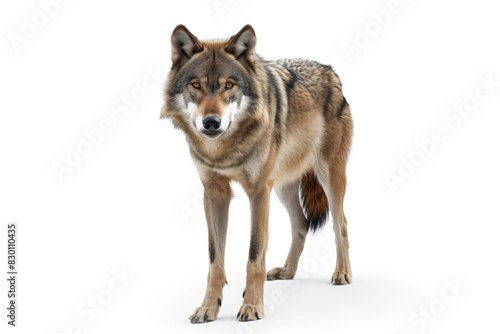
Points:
x=266 y=124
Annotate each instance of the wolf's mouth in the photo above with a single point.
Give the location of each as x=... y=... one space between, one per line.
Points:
x=211 y=134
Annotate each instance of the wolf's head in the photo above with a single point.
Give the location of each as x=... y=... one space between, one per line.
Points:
x=210 y=88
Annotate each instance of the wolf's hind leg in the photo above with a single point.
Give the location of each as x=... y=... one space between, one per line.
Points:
x=333 y=180
x=289 y=197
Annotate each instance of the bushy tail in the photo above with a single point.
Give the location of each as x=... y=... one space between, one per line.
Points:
x=314 y=202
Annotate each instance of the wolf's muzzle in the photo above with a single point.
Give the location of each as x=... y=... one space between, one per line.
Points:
x=212 y=127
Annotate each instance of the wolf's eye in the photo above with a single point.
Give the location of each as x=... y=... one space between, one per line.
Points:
x=229 y=85
x=196 y=85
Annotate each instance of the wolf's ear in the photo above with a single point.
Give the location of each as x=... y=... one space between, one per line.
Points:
x=242 y=45
x=184 y=45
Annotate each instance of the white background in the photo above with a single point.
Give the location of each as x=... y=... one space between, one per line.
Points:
x=133 y=203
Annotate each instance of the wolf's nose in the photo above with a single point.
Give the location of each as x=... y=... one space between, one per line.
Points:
x=211 y=123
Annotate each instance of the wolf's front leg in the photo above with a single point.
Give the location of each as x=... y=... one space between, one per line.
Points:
x=216 y=199
x=253 y=300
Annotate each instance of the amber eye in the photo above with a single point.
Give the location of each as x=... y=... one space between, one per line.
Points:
x=196 y=85
x=229 y=85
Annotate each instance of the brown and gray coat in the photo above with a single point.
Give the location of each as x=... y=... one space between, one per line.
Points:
x=283 y=125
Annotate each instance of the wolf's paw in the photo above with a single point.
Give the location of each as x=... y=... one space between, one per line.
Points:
x=249 y=312
x=341 y=278
x=204 y=314
x=280 y=273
